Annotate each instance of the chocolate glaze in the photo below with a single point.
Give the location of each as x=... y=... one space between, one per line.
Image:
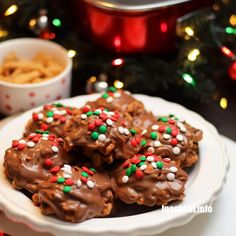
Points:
x=29 y=166
x=152 y=186
x=82 y=200
x=57 y=114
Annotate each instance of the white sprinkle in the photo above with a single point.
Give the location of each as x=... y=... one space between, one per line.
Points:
x=66 y=167
x=63 y=112
x=109 y=99
x=117 y=95
x=151 y=149
x=55 y=149
x=121 y=130
x=106 y=112
x=83 y=116
x=54 y=109
x=111 y=113
x=180 y=137
x=167 y=159
x=126 y=131
x=66 y=175
x=156 y=143
x=150 y=158
x=44 y=138
x=144 y=132
x=109 y=122
x=49 y=120
x=102 y=137
x=22 y=141
x=79 y=183
x=125 y=179
x=166 y=136
x=32 y=134
x=45 y=135
x=90 y=184
x=176 y=150
x=57 y=112
x=182 y=120
x=173 y=169
x=40 y=116
x=155 y=127
x=183 y=129
x=98 y=110
x=179 y=124
x=170 y=176
x=143 y=167
x=154 y=165
x=30 y=144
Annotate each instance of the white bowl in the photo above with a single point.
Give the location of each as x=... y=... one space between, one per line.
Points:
x=205 y=182
x=19 y=97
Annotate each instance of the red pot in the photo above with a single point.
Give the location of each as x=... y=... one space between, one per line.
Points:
x=134 y=26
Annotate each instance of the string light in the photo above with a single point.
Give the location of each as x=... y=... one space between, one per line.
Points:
x=163 y=27
x=118 y=62
x=188 y=78
x=117 y=42
x=92 y=79
x=11 y=10
x=118 y=84
x=192 y=56
x=3 y=33
x=223 y=103
x=216 y=7
x=189 y=31
x=32 y=23
x=71 y=53
x=56 y=22
x=227 y=52
x=230 y=30
x=232 y=20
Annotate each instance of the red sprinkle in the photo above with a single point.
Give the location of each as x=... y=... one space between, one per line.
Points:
x=98 y=122
x=133 y=142
x=63 y=119
x=59 y=140
x=103 y=116
x=69 y=112
x=47 y=107
x=48 y=162
x=139 y=174
x=167 y=160
x=135 y=160
x=85 y=109
x=69 y=182
x=83 y=179
x=161 y=128
x=91 y=126
x=44 y=127
x=53 y=179
x=123 y=122
x=21 y=146
x=35 y=116
x=35 y=139
x=55 y=169
x=51 y=137
x=56 y=117
x=15 y=143
x=172 y=122
x=125 y=164
x=174 y=132
x=174 y=141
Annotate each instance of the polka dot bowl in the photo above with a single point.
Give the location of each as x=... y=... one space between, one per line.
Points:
x=20 y=97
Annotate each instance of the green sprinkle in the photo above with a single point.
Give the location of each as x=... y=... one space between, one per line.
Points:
x=106 y=110
x=159 y=164
x=133 y=168
x=168 y=130
x=89 y=113
x=143 y=142
x=60 y=180
x=112 y=89
x=58 y=104
x=142 y=158
x=92 y=169
x=67 y=189
x=46 y=132
x=96 y=112
x=38 y=131
x=50 y=114
x=102 y=129
x=128 y=171
x=164 y=119
x=132 y=131
x=105 y=95
x=141 y=163
x=94 y=135
x=153 y=135
x=171 y=115
x=85 y=174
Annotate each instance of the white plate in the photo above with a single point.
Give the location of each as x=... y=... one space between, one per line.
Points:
x=204 y=184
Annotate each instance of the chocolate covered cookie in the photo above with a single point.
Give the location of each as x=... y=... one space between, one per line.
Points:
x=147 y=179
x=51 y=119
x=76 y=194
x=33 y=159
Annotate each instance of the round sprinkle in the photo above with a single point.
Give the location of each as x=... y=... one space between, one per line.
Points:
x=40 y=116
x=67 y=189
x=109 y=122
x=128 y=171
x=109 y=99
x=117 y=95
x=154 y=165
x=133 y=168
x=85 y=174
x=176 y=150
x=22 y=141
x=121 y=130
x=153 y=135
x=168 y=130
x=50 y=114
x=30 y=144
x=143 y=142
x=105 y=95
x=112 y=89
x=48 y=162
x=55 y=149
x=65 y=175
x=142 y=158
x=144 y=132
x=173 y=169
x=94 y=135
x=83 y=116
x=156 y=143
x=63 y=112
x=102 y=129
x=151 y=149
x=155 y=127
x=183 y=129
x=179 y=124
x=61 y=180
x=170 y=176
x=90 y=184
x=126 y=131
x=150 y=158
x=79 y=183
x=132 y=131
x=166 y=136
x=125 y=179
x=93 y=170
x=102 y=137
x=159 y=165
x=143 y=167
x=180 y=137
x=163 y=119
x=49 y=120
x=89 y=113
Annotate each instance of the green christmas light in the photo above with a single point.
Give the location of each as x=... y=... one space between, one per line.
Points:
x=56 y=22
x=230 y=30
x=189 y=79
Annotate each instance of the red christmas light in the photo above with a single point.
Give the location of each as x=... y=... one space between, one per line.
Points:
x=227 y=52
x=117 y=42
x=232 y=71
x=163 y=27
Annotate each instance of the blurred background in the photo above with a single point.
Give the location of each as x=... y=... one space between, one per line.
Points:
x=183 y=51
